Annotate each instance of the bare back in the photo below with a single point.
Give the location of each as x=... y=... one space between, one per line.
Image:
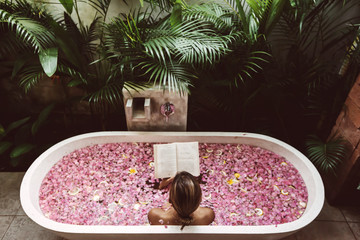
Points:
x=201 y=216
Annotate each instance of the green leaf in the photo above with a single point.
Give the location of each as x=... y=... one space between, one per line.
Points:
x=16 y=124
x=48 y=59
x=325 y=155
x=74 y=83
x=30 y=32
x=68 y=5
x=4 y=146
x=41 y=119
x=176 y=14
x=21 y=149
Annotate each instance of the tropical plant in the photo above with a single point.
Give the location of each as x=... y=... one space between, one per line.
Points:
x=71 y=57
x=18 y=139
x=313 y=43
x=226 y=91
x=326 y=155
x=299 y=90
x=26 y=31
x=165 y=50
x=268 y=66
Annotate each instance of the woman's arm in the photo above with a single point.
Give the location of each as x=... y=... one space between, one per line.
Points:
x=165 y=182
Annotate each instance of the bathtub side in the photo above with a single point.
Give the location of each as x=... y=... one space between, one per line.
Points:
x=38 y=170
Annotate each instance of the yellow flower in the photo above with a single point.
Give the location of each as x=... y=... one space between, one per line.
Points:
x=224 y=162
x=124 y=156
x=206 y=156
x=237 y=175
x=230 y=181
x=132 y=170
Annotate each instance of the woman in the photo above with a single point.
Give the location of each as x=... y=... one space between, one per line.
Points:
x=184 y=200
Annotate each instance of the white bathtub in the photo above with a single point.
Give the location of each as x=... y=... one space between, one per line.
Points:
x=29 y=192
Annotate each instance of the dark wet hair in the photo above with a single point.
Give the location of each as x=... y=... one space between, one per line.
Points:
x=185 y=196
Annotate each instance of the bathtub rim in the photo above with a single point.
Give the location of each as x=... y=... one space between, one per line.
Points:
x=40 y=219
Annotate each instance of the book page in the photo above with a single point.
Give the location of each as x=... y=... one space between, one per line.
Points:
x=165 y=160
x=187 y=155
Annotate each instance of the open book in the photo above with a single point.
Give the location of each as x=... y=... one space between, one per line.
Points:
x=176 y=157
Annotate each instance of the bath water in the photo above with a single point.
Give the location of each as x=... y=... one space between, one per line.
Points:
x=114 y=184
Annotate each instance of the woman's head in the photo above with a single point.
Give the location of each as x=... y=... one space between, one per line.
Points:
x=185 y=196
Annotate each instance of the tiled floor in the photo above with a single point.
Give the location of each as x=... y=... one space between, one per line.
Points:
x=332 y=224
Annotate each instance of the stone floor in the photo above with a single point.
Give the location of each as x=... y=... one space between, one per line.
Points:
x=333 y=223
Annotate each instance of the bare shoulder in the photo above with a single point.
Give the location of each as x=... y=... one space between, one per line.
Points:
x=204 y=216
x=155 y=215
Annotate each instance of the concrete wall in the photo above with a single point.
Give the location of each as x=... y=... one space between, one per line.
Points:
x=87 y=12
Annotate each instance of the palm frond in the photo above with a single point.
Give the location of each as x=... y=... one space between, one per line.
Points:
x=213 y=13
x=10 y=44
x=90 y=36
x=127 y=30
x=242 y=10
x=28 y=30
x=102 y=6
x=202 y=46
x=131 y=85
x=109 y=93
x=166 y=52
x=175 y=76
x=30 y=76
x=256 y=17
x=273 y=12
x=325 y=155
x=164 y=5
x=76 y=77
x=352 y=54
x=252 y=64
x=161 y=42
x=191 y=42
